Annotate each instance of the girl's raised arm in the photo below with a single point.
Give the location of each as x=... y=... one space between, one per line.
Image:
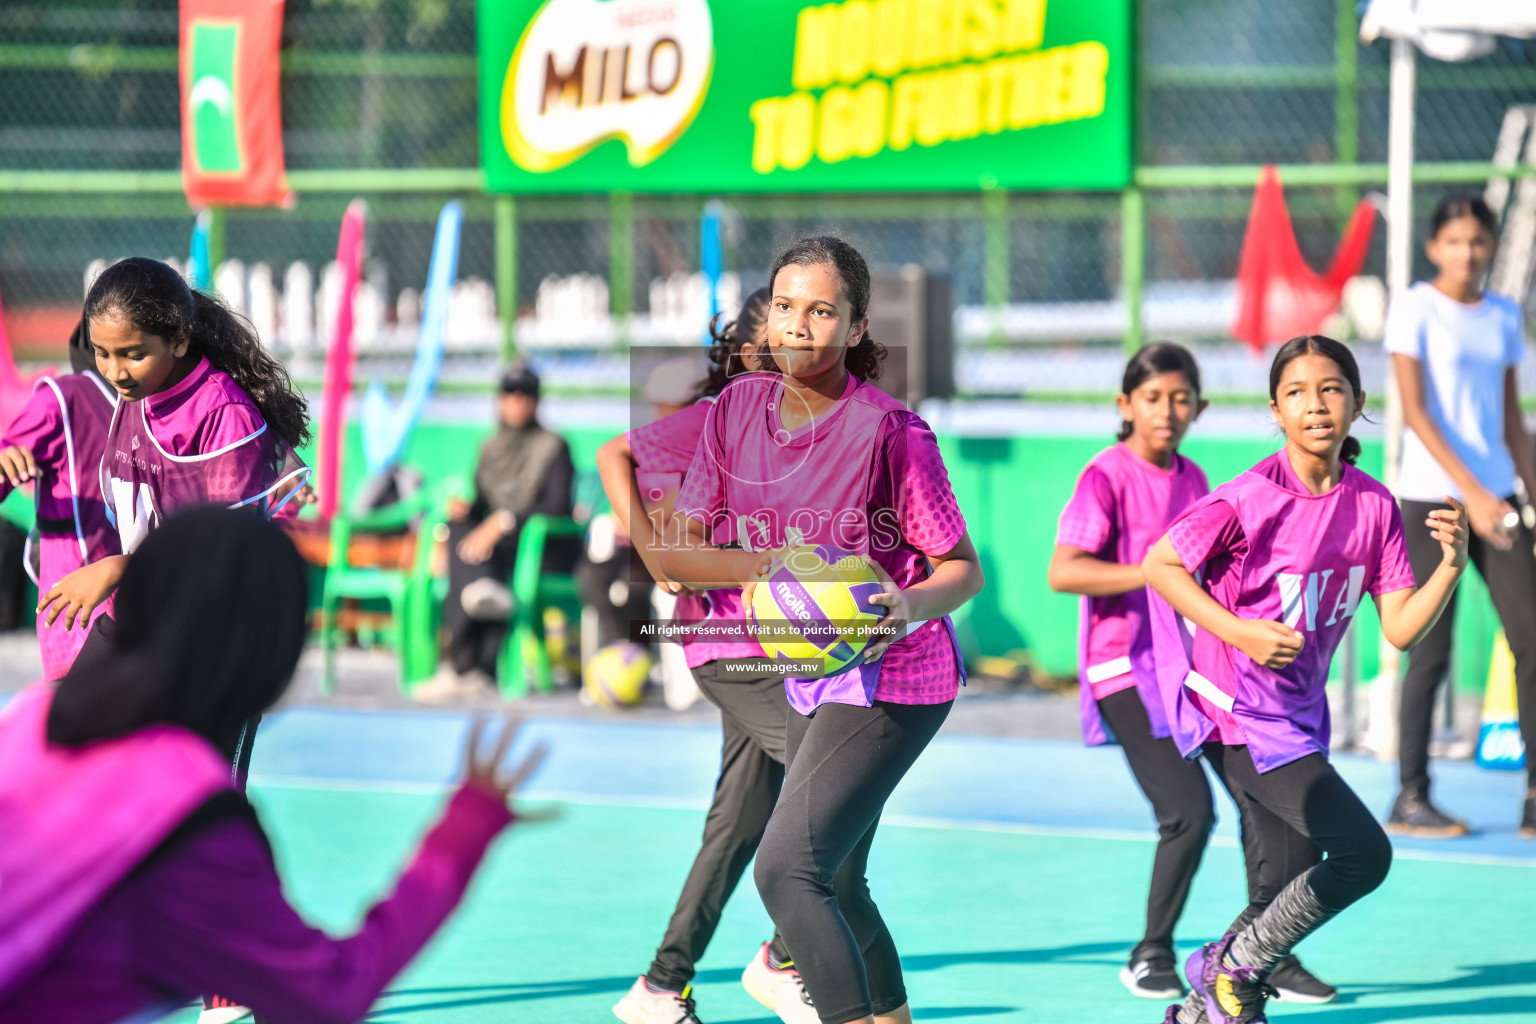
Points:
x=1408 y=614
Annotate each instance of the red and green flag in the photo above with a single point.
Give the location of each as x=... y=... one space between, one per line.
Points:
x=231 y=118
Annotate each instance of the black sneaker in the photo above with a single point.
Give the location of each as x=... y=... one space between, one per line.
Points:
x=1414 y=815
x=1152 y=974
x=1295 y=984
x=1528 y=819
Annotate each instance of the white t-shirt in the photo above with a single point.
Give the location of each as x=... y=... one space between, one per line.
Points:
x=1463 y=352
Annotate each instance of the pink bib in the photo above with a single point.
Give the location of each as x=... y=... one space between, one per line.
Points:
x=77 y=820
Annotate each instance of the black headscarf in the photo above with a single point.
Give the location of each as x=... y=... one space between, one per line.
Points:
x=81 y=358
x=210 y=621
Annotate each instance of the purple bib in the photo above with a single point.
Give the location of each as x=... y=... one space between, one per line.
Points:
x=144 y=483
x=1310 y=561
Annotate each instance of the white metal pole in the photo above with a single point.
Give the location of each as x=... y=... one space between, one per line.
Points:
x=1381 y=729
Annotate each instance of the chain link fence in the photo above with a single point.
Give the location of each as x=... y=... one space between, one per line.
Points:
x=91 y=84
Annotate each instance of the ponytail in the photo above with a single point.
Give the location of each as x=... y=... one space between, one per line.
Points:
x=228 y=341
x=1350 y=451
x=153 y=297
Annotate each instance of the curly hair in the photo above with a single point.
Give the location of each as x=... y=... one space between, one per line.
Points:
x=728 y=338
x=152 y=297
x=863 y=358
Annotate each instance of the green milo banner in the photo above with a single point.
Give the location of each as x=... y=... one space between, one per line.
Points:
x=781 y=95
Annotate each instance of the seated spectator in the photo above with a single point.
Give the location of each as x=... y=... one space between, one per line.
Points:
x=524 y=470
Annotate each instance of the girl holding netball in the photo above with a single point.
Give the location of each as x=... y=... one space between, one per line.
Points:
x=1261 y=579
x=57 y=440
x=642 y=470
x=812 y=453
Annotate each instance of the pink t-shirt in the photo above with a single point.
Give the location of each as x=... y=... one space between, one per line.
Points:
x=865 y=476
x=1318 y=555
x=1121 y=506
x=663 y=450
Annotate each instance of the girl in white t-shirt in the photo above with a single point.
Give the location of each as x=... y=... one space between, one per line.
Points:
x=1457 y=350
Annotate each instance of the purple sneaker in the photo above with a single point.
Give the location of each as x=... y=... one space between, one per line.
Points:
x=1232 y=995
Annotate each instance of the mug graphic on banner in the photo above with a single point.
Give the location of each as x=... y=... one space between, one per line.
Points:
x=793 y=95
x=589 y=70
x=385 y=425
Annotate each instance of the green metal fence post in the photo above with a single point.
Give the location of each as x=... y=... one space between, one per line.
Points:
x=1346 y=100
x=506 y=274
x=621 y=258
x=1133 y=263
x=994 y=212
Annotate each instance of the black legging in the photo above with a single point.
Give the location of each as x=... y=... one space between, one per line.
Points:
x=752 y=714
x=1181 y=801
x=844 y=763
x=1511 y=579
x=1286 y=811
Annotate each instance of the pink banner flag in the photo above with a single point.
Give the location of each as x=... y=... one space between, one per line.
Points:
x=338 y=359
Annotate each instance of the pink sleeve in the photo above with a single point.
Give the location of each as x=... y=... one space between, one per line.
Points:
x=930 y=517
x=667 y=445
x=1209 y=528
x=1393 y=570
x=1088 y=521
x=215 y=919
x=702 y=495
x=39 y=427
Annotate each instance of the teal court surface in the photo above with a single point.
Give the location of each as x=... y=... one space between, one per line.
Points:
x=1012 y=873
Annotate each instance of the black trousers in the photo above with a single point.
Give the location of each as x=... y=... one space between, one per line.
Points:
x=1291 y=813
x=844 y=763
x=474 y=645
x=1181 y=801
x=753 y=709
x=1511 y=579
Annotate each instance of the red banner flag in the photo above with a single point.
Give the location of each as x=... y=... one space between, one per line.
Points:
x=1278 y=295
x=231 y=120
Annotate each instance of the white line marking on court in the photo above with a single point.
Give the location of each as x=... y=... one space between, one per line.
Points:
x=305 y=782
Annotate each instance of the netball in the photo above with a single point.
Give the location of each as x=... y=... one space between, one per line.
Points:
x=812 y=603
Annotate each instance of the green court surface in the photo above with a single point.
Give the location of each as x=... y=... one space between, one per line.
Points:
x=993 y=922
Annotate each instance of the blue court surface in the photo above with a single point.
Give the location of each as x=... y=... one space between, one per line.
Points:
x=1012 y=872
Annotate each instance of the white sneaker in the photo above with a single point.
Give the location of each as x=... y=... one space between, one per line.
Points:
x=487 y=600
x=779 y=989
x=449 y=687
x=645 y=1005
x=222 y=1014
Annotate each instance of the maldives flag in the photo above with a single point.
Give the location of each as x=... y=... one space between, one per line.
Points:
x=231 y=120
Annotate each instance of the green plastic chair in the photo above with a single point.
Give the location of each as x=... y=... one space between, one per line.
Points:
x=533 y=590
x=415 y=597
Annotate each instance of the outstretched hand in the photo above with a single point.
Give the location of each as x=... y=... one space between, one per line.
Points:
x=17 y=464
x=485 y=772
x=78 y=595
